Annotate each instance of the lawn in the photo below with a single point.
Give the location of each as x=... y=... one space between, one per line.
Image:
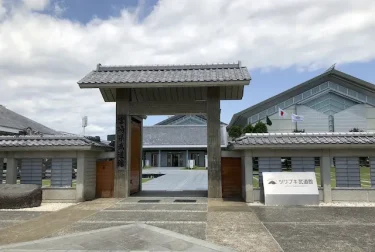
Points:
x=144 y=180
x=47 y=183
x=364 y=176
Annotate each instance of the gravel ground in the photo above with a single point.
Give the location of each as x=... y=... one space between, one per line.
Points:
x=333 y=204
x=45 y=207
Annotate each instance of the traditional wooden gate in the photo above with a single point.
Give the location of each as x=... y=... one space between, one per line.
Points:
x=104 y=179
x=231 y=177
x=135 y=162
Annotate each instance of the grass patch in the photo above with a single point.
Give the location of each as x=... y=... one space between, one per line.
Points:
x=147 y=167
x=255 y=181
x=47 y=183
x=144 y=180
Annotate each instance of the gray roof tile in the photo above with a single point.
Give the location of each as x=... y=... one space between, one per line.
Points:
x=298 y=139
x=13 y=120
x=177 y=135
x=49 y=141
x=167 y=74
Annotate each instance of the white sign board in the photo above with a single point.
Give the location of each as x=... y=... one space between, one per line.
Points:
x=290 y=188
x=191 y=163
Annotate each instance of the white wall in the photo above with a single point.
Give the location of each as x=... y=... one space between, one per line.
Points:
x=314 y=121
x=353 y=117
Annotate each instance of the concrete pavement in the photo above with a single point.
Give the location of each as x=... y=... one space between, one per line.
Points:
x=138 y=237
x=313 y=229
x=176 y=179
x=185 y=218
x=228 y=223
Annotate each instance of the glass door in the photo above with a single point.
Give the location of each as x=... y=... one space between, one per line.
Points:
x=154 y=160
x=174 y=160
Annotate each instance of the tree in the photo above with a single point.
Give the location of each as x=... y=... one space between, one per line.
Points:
x=234 y=132
x=248 y=129
x=355 y=130
x=260 y=127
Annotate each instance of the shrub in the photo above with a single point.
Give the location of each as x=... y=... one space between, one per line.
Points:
x=248 y=129
x=260 y=127
x=234 y=132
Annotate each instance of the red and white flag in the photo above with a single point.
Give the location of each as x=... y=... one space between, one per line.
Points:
x=282 y=113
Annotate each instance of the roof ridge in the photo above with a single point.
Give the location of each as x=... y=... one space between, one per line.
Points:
x=369 y=133
x=101 y=68
x=42 y=137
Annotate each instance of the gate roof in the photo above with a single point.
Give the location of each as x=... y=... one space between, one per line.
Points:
x=168 y=82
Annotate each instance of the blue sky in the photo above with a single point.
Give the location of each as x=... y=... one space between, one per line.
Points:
x=48 y=45
x=84 y=11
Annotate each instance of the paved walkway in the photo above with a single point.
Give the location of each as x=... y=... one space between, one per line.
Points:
x=124 y=238
x=176 y=179
x=36 y=225
x=188 y=218
x=235 y=225
x=311 y=229
x=227 y=223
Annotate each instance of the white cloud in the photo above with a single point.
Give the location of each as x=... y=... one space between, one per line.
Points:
x=42 y=57
x=36 y=5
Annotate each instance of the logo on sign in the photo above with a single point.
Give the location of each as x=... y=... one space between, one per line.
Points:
x=271 y=182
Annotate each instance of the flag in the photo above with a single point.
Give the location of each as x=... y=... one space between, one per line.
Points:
x=282 y=113
x=268 y=121
x=297 y=118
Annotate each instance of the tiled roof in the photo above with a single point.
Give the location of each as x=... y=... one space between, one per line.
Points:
x=48 y=141
x=10 y=119
x=301 y=139
x=171 y=119
x=177 y=135
x=167 y=74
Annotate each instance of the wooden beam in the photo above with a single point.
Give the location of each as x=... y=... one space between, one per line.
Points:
x=167 y=107
x=122 y=148
x=213 y=142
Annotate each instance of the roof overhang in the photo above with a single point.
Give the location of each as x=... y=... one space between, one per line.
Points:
x=155 y=94
x=169 y=82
